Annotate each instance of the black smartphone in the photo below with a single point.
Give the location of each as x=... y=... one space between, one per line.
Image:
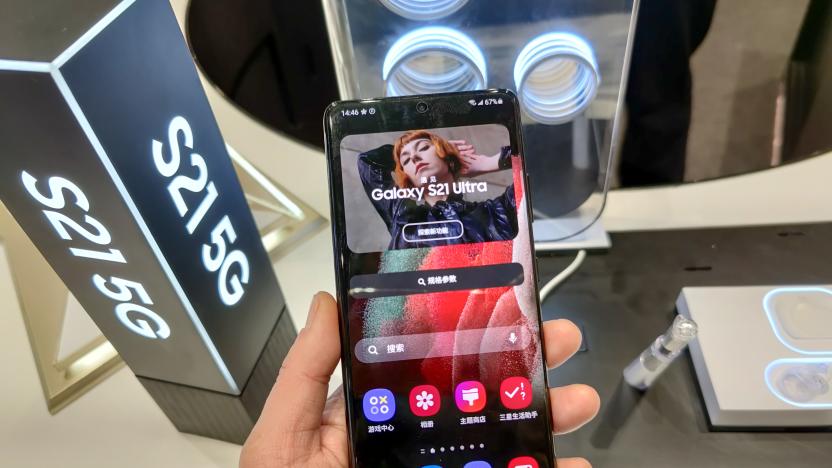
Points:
x=437 y=283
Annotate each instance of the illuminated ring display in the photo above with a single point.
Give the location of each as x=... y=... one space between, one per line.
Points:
x=776 y=321
x=779 y=388
x=423 y=10
x=557 y=77
x=433 y=60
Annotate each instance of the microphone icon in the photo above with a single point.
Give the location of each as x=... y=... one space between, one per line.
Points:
x=512 y=338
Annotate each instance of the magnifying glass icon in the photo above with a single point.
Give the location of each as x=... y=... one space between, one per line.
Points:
x=372 y=349
x=421 y=282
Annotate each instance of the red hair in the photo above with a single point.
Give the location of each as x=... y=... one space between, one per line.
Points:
x=444 y=150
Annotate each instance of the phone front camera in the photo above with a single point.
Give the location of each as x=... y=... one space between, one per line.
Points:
x=422 y=107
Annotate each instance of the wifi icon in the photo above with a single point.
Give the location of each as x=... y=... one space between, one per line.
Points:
x=473 y=102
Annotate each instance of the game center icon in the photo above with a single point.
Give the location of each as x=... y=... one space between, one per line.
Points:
x=516 y=393
x=523 y=462
x=379 y=405
x=470 y=396
x=424 y=401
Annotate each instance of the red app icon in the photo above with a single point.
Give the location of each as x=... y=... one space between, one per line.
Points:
x=523 y=462
x=424 y=400
x=470 y=396
x=516 y=393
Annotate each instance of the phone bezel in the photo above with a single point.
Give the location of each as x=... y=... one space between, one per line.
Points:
x=444 y=110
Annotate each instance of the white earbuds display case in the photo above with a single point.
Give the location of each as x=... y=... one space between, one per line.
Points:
x=763 y=356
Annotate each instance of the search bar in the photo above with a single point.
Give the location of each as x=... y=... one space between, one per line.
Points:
x=432 y=281
x=442 y=344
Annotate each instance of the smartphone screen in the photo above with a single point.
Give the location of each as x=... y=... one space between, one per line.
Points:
x=442 y=352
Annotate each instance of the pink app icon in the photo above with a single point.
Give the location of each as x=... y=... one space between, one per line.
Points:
x=523 y=462
x=470 y=396
x=516 y=393
x=424 y=401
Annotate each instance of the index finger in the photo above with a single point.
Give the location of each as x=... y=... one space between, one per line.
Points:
x=563 y=339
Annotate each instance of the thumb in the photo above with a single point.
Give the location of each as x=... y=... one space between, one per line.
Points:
x=296 y=402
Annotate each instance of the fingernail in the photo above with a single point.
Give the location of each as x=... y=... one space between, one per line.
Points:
x=313 y=308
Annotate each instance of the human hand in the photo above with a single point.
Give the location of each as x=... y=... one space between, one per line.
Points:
x=300 y=428
x=473 y=163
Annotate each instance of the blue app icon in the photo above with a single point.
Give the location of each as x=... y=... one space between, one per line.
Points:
x=379 y=405
x=477 y=464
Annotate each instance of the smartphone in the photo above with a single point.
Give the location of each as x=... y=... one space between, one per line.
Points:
x=437 y=283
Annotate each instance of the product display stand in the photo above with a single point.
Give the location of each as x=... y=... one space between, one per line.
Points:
x=220 y=415
x=115 y=169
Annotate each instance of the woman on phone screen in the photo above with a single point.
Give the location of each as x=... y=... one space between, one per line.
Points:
x=428 y=168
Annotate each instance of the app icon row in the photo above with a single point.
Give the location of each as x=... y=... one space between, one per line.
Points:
x=470 y=397
x=519 y=462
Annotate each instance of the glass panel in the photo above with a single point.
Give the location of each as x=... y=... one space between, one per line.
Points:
x=566 y=61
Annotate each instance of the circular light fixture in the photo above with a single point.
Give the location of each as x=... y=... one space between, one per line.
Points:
x=423 y=10
x=557 y=77
x=433 y=60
